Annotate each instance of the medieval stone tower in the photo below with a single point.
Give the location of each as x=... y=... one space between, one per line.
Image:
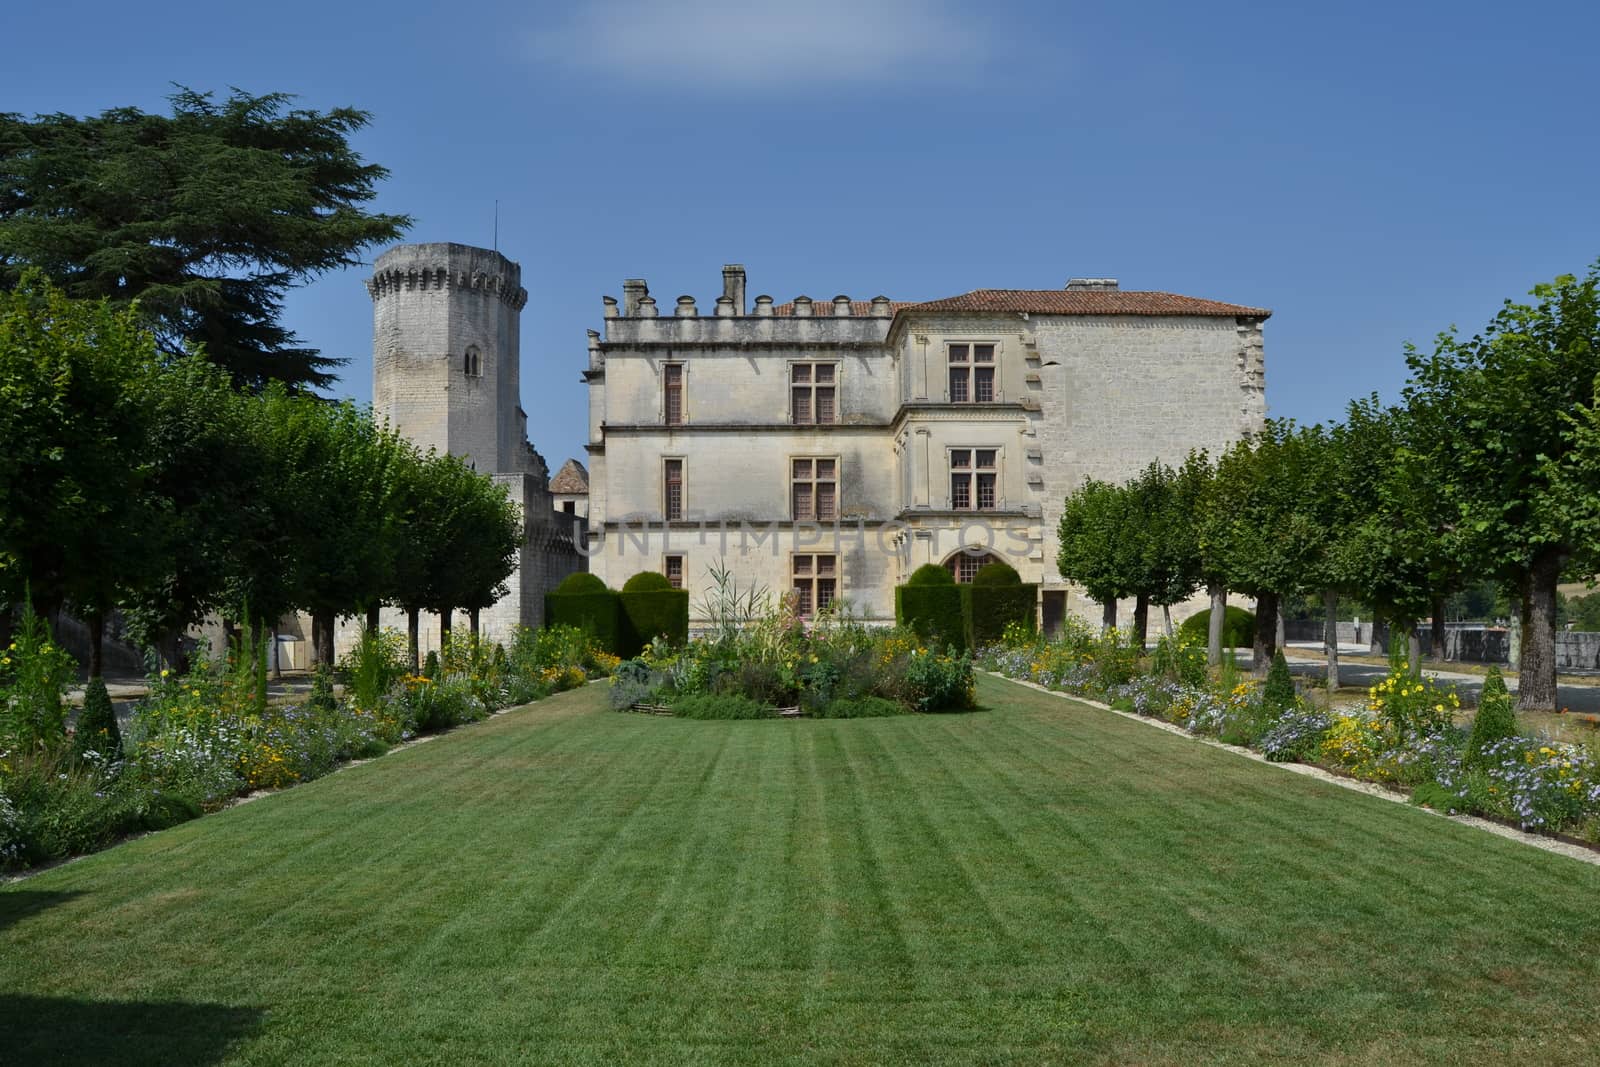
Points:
x=446 y=374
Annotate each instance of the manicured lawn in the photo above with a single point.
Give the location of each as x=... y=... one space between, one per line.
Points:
x=1039 y=882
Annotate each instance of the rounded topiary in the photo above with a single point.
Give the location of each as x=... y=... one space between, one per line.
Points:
x=1495 y=720
x=646 y=582
x=97 y=725
x=581 y=582
x=997 y=573
x=931 y=574
x=1238 y=627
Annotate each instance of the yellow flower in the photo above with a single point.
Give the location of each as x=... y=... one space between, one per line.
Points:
x=165 y=672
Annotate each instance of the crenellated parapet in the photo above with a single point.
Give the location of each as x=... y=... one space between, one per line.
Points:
x=447 y=267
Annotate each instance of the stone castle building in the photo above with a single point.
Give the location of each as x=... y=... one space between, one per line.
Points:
x=446 y=374
x=828 y=448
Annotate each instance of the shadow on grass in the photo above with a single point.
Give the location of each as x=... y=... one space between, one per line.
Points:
x=80 y=1033
x=19 y=904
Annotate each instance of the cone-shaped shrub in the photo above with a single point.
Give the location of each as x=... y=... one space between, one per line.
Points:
x=1278 y=693
x=97 y=725
x=430 y=667
x=1495 y=720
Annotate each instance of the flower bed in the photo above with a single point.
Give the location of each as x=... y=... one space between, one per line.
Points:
x=199 y=740
x=1404 y=735
x=832 y=667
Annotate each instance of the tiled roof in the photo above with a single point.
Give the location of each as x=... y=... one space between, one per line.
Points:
x=823 y=309
x=1086 y=302
x=572 y=478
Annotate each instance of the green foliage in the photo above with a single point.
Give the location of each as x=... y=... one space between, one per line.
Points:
x=96 y=736
x=1096 y=547
x=580 y=582
x=322 y=698
x=430 y=665
x=933 y=610
x=34 y=675
x=1180 y=658
x=993 y=608
x=1115 y=658
x=866 y=707
x=931 y=574
x=218 y=210
x=650 y=614
x=997 y=572
x=374 y=667
x=1584 y=612
x=1238 y=627
x=646 y=582
x=719 y=706
x=1495 y=720
x=1277 y=696
x=597 y=613
x=939 y=681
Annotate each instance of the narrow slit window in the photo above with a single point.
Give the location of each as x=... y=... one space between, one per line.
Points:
x=672 y=387
x=673 y=495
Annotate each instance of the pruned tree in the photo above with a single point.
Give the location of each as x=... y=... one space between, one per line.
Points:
x=1095 y=547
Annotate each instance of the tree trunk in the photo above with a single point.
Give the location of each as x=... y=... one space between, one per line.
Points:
x=1166 y=620
x=1266 y=632
x=322 y=626
x=276 y=655
x=412 y=625
x=1330 y=636
x=96 y=621
x=1414 y=651
x=1536 y=687
x=316 y=639
x=258 y=669
x=1219 y=615
x=1108 y=616
x=172 y=654
x=444 y=630
x=1378 y=640
x=1436 y=636
x=1141 y=620
x=7 y=626
x=1278 y=641
x=472 y=618
x=373 y=620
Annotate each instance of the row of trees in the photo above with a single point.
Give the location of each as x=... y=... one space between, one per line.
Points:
x=154 y=484
x=1489 y=467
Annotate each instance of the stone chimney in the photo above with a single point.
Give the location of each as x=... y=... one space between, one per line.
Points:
x=1091 y=283
x=633 y=291
x=733 y=285
x=764 y=306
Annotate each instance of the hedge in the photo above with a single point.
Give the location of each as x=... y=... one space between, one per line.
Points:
x=988 y=608
x=1238 y=627
x=934 y=612
x=596 y=613
x=651 y=613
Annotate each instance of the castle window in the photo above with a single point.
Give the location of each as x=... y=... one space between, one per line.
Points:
x=812 y=391
x=971 y=373
x=815 y=580
x=672 y=567
x=672 y=390
x=472 y=363
x=973 y=479
x=964 y=565
x=672 y=489
x=814 y=488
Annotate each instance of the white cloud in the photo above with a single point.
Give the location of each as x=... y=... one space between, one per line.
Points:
x=769 y=44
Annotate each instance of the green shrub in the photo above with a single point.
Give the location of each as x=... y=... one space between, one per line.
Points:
x=931 y=574
x=1431 y=794
x=34 y=675
x=939 y=681
x=933 y=611
x=1495 y=720
x=374 y=667
x=1180 y=658
x=719 y=706
x=866 y=707
x=990 y=609
x=651 y=613
x=1277 y=695
x=997 y=573
x=1238 y=627
x=97 y=732
x=430 y=666
x=579 y=583
x=322 y=699
x=646 y=582
x=584 y=602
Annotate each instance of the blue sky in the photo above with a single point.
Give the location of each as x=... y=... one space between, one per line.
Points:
x=1371 y=172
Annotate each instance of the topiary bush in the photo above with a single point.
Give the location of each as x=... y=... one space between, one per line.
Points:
x=931 y=574
x=996 y=573
x=1277 y=696
x=992 y=606
x=930 y=603
x=583 y=601
x=97 y=736
x=646 y=582
x=1495 y=720
x=430 y=666
x=651 y=608
x=1238 y=627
